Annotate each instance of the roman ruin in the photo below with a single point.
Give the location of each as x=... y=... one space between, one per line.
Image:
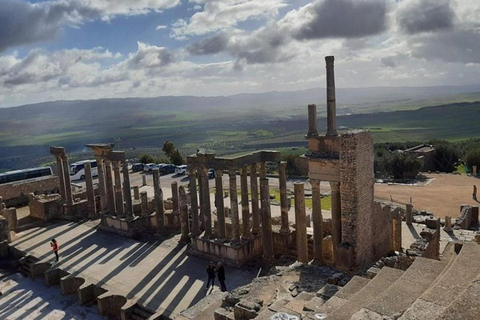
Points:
x=353 y=265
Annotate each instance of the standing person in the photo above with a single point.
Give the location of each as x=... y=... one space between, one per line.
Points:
x=474 y=192
x=54 y=245
x=221 y=276
x=211 y=274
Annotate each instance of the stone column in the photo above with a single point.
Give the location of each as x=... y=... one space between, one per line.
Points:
x=331 y=103
x=409 y=215
x=234 y=206
x=118 y=189
x=66 y=176
x=245 y=207
x=195 y=230
x=61 y=178
x=254 y=194
x=219 y=203
x=159 y=208
x=267 y=237
x=300 y=222
x=205 y=196
x=109 y=186
x=317 y=220
x=183 y=207
x=127 y=191
x=262 y=169
x=92 y=209
x=448 y=224
x=397 y=230
x=176 y=211
x=144 y=202
x=312 y=121
x=474 y=171
x=101 y=185
x=136 y=193
x=144 y=180
x=282 y=175
x=200 y=198
x=336 y=215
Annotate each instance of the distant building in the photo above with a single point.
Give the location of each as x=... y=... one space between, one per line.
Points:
x=424 y=152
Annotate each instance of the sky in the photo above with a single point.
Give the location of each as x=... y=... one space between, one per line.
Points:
x=90 y=49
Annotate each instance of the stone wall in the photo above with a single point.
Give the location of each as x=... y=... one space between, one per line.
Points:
x=45 y=207
x=16 y=193
x=356 y=190
x=382 y=229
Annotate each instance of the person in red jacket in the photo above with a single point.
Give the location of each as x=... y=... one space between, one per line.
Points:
x=54 y=245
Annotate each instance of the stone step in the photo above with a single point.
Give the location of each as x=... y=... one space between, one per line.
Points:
x=466 y=305
x=409 y=287
x=382 y=281
x=462 y=271
x=339 y=298
x=297 y=303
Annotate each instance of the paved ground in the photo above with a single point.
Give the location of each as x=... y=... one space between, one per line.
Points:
x=160 y=274
x=23 y=298
x=442 y=196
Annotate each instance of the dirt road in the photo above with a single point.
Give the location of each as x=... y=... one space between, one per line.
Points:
x=442 y=196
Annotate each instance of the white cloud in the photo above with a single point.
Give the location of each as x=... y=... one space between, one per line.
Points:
x=160 y=27
x=221 y=14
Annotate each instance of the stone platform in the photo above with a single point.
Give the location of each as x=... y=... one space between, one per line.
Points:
x=157 y=273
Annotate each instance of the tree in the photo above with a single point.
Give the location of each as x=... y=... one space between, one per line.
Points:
x=169 y=148
x=472 y=158
x=445 y=157
x=176 y=158
x=402 y=165
x=146 y=158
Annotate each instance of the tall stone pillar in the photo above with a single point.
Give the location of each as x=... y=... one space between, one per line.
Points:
x=127 y=192
x=254 y=194
x=144 y=202
x=267 y=237
x=474 y=171
x=66 y=176
x=336 y=215
x=195 y=230
x=118 y=189
x=448 y=224
x=331 y=102
x=317 y=222
x=219 y=203
x=183 y=207
x=200 y=198
x=283 y=197
x=159 y=208
x=92 y=209
x=61 y=178
x=234 y=206
x=109 y=186
x=312 y=121
x=409 y=214
x=101 y=184
x=301 y=223
x=245 y=207
x=205 y=196
x=176 y=210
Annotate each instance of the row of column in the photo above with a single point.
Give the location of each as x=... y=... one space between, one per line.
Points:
x=114 y=198
x=317 y=221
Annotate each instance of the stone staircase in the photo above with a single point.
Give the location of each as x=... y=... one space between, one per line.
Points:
x=445 y=289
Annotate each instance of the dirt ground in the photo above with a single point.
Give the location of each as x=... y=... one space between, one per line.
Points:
x=442 y=196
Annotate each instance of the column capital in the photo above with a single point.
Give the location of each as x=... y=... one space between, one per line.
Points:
x=232 y=174
x=335 y=186
x=282 y=165
x=315 y=183
x=218 y=173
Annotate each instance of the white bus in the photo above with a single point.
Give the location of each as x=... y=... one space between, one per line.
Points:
x=77 y=170
x=24 y=174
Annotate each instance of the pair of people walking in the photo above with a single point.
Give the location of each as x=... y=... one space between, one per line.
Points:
x=220 y=271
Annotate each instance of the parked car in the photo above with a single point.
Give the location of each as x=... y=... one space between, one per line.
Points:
x=211 y=173
x=136 y=167
x=168 y=168
x=160 y=166
x=149 y=167
x=181 y=169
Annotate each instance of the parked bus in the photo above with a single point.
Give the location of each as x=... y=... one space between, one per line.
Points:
x=77 y=170
x=24 y=174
